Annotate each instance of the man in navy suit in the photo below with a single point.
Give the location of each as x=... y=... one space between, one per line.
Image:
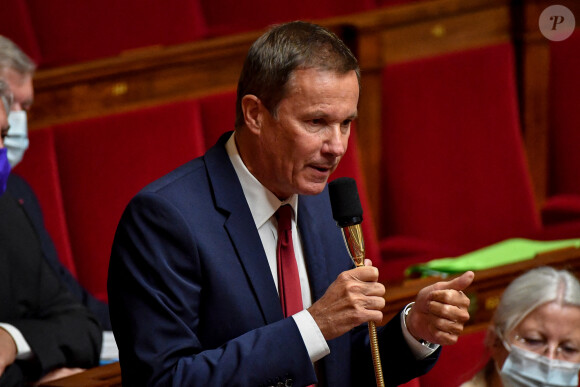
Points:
x=193 y=290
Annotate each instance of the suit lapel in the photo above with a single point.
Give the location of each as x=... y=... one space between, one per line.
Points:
x=244 y=236
x=313 y=250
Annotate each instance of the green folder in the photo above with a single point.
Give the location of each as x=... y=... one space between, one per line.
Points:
x=502 y=253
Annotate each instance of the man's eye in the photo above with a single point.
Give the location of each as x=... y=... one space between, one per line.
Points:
x=317 y=121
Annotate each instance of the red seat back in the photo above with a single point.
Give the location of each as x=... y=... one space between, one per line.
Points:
x=230 y=16
x=77 y=31
x=458 y=363
x=218 y=112
x=15 y=24
x=454 y=169
x=104 y=162
x=40 y=169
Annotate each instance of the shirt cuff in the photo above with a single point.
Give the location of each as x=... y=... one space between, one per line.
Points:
x=23 y=351
x=418 y=349
x=311 y=335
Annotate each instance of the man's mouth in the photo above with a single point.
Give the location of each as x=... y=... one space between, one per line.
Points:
x=323 y=168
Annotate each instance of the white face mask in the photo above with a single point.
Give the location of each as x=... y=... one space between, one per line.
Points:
x=526 y=368
x=16 y=142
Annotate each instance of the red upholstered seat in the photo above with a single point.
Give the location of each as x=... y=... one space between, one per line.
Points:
x=39 y=168
x=218 y=113
x=229 y=16
x=104 y=162
x=454 y=174
x=76 y=31
x=563 y=202
x=15 y=24
x=412 y=383
x=458 y=363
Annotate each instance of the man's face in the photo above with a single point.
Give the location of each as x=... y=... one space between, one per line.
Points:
x=302 y=146
x=21 y=87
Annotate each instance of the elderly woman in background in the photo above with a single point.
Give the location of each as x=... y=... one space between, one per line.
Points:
x=534 y=337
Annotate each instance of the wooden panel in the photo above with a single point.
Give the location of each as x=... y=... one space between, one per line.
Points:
x=533 y=57
x=138 y=79
x=453 y=33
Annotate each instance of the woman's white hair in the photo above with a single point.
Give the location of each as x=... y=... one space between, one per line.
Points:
x=532 y=289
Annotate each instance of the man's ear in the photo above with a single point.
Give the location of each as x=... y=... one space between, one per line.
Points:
x=252 y=109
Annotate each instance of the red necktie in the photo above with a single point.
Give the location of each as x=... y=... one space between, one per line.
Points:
x=288 y=279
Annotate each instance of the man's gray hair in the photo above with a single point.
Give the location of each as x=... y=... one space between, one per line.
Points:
x=12 y=57
x=5 y=96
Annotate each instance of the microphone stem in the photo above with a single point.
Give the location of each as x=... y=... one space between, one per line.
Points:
x=356 y=248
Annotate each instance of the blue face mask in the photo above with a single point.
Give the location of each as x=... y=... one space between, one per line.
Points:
x=4 y=170
x=526 y=368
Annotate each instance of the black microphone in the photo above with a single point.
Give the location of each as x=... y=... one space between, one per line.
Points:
x=348 y=214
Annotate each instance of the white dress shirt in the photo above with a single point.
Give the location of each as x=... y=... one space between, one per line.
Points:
x=23 y=351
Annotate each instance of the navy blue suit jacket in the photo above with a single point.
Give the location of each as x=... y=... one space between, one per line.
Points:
x=193 y=301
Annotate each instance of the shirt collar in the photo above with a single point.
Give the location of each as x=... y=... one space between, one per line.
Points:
x=262 y=202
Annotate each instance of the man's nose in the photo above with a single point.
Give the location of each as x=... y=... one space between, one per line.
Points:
x=337 y=141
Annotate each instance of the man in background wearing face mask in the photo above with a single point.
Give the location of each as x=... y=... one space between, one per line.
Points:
x=534 y=337
x=44 y=332
x=17 y=70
